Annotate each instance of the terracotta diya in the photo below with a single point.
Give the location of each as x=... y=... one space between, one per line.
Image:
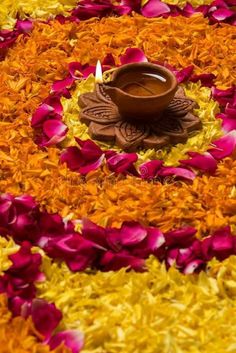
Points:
x=141 y=107
x=142 y=91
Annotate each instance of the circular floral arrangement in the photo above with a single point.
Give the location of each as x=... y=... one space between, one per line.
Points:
x=103 y=250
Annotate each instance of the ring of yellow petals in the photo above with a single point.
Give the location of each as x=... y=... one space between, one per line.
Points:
x=198 y=142
x=155 y=311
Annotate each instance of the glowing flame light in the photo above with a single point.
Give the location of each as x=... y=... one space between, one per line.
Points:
x=98 y=75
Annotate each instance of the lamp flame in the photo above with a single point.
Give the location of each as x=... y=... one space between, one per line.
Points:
x=98 y=74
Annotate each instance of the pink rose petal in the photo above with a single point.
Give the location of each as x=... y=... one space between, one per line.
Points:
x=176 y=172
x=122 y=162
x=93 y=232
x=149 y=170
x=188 y=10
x=203 y=9
x=73 y=339
x=54 y=127
x=45 y=316
x=62 y=86
x=24 y=26
x=230 y=110
x=73 y=158
x=183 y=237
x=194 y=266
x=222 y=14
x=228 y=124
x=84 y=160
x=40 y=114
x=205 y=162
x=184 y=74
x=109 y=60
x=205 y=79
x=224 y=146
x=54 y=101
x=132 y=233
x=133 y=55
x=114 y=262
x=154 y=8
x=152 y=244
x=224 y=96
x=78 y=71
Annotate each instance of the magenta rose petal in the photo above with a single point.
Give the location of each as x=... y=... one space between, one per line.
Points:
x=133 y=55
x=122 y=162
x=155 y=238
x=24 y=26
x=203 y=9
x=76 y=70
x=93 y=232
x=25 y=202
x=222 y=243
x=230 y=110
x=228 y=124
x=113 y=262
x=89 y=70
x=8 y=213
x=224 y=97
x=184 y=74
x=45 y=316
x=188 y=10
x=89 y=149
x=54 y=101
x=40 y=114
x=88 y=158
x=91 y=166
x=135 y=5
x=73 y=339
x=62 y=86
x=194 y=266
x=183 y=237
x=109 y=60
x=121 y=10
x=224 y=146
x=205 y=162
x=205 y=79
x=149 y=170
x=153 y=243
x=72 y=157
x=154 y=8
x=132 y=233
x=177 y=172
x=54 y=127
x=222 y=14
x=19 y=306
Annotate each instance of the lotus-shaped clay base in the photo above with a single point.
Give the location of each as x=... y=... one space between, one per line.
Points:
x=106 y=124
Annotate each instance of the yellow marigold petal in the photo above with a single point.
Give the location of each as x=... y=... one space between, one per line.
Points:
x=7 y=247
x=143 y=312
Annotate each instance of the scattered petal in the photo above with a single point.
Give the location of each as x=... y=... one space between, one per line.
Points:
x=73 y=339
x=184 y=74
x=205 y=79
x=122 y=163
x=149 y=170
x=205 y=162
x=178 y=172
x=45 y=316
x=133 y=55
x=224 y=146
x=154 y=8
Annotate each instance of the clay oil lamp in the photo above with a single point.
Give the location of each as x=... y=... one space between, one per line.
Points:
x=141 y=91
x=138 y=106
